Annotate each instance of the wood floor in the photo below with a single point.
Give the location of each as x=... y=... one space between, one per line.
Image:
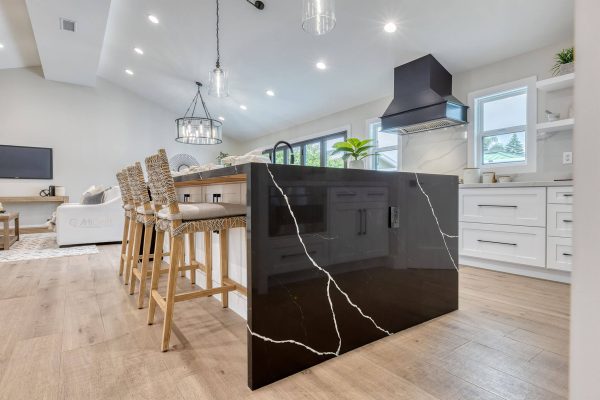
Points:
x=68 y=330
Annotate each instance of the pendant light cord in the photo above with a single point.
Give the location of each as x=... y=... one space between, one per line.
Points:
x=218 y=41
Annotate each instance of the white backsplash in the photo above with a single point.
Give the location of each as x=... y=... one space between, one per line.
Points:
x=445 y=152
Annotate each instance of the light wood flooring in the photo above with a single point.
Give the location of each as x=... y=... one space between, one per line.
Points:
x=69 y=330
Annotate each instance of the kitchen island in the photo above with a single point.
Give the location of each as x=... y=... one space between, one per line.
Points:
x=338 y=258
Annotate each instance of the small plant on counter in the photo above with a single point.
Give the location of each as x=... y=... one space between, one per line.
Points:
x=354 y=149
x=563 y=57
x=221 y=156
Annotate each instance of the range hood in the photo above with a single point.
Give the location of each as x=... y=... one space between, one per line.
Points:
x=423 y=99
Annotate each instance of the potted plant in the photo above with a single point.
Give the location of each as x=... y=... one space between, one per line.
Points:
x=221 y=156
x=354 y=151
x=565 y=62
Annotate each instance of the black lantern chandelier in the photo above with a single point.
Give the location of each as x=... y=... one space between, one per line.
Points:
x=198 y=129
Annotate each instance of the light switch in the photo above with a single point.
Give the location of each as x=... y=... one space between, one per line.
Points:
x=568 y=157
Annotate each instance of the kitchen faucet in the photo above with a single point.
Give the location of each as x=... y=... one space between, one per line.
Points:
x=274 y=159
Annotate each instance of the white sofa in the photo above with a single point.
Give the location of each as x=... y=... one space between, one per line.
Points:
x=86 y=224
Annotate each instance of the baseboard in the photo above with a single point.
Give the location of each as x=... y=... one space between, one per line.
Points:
x=517 y=269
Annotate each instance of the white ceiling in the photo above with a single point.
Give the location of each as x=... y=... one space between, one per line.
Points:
x=66 y=56
x=16 y=35
x=269 y=50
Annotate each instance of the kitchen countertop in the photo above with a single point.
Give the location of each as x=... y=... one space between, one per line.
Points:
x=345 y=258
x=516 y=184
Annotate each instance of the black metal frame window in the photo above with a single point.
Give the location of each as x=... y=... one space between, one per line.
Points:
x=313 y=152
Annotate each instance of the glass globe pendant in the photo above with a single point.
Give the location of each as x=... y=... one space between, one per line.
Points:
x=318 y=16
x=218 y=82
x=197 y=129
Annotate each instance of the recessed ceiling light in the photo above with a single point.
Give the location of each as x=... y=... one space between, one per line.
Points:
x=270 y=93
x=321 y=65
x=153 y=19
x=138 y=50
x=1 y=46
x=221 y=118
x=129 y=72
x=243 y=107
x=390 y=27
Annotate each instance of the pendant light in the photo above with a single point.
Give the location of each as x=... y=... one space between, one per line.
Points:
x=198 y=129
x=318 y=16
x=218 y=85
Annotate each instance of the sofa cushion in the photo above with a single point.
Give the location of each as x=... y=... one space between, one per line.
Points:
x=97 y=198
x=195 y=211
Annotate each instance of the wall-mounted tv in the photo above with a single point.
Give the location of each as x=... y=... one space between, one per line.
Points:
x=20 y=162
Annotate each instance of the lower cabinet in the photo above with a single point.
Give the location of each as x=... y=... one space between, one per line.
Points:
x=524 y=245
x=560 y=253
x=515 y=229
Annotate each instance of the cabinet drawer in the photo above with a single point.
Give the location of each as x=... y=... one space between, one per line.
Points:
x=507 y=206
x=356 y=194
x=560 y=195
x=516 y=244
x=560 y=220
x=560 y=253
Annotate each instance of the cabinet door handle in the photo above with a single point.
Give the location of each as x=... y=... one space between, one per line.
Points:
x=496 y=205
x=346 y=194
x=567 y=194
x=359 y=221
x=365 y=218
x=567 y=254
x=491 y=241
x=567 y=220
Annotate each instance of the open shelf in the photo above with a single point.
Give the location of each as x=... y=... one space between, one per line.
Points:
x=557 y=83
x=556 y=126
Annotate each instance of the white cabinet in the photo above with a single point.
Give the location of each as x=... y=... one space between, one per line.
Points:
x=560 y=253
x=560 y=220
x=507 y=206
x=524 y=245
x=523 y=230
x=560 y=195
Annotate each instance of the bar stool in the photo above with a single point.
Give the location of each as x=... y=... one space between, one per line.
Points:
x=145 y=218
x=128 y=206
x=179 y=220
x=144 y=224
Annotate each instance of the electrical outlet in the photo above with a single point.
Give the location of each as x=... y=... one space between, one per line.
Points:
x=568 y=157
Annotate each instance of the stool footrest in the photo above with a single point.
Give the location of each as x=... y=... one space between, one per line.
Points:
x=160 y=301
x=203 y=293
x=237 y=286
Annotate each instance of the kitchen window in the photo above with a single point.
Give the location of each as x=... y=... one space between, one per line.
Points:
x=315 y=152
x=502 y=136
x=387 y=147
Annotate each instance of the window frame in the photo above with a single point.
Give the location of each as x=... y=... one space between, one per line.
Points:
x=307 y=141
x=476 y=134
x=373 y=135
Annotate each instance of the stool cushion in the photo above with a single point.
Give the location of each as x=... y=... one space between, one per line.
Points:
x=140 y=210
x=196 y=211
x=128 y=207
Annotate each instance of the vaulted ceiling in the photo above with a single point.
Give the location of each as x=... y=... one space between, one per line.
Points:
x=268 y=49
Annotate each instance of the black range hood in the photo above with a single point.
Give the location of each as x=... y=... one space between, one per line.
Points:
x=423 y=99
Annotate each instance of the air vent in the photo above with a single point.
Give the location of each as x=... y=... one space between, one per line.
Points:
x=67 y=25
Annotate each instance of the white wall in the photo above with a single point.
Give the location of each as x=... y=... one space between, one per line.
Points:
x=445 y=151
x=585 y=290
x=93 y=132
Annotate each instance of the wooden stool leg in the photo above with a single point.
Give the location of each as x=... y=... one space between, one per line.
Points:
x=156 y=267
x=182 y=272
x=224 y=244
x=208 y=258
x=129 y=256
x=139 y=227
x=145 y=260
x=124 y=246
x=6 y=235
x=177 y=243
x=192 y=256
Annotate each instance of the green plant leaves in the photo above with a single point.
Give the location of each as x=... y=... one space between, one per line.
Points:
x=354 y=148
